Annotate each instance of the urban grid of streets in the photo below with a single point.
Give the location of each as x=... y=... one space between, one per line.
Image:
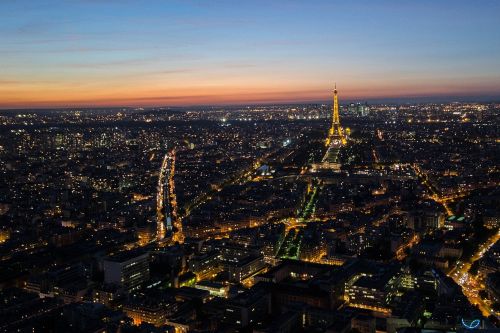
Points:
x=405 y=171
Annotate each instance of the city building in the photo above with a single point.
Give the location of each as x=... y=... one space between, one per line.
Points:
x=127 y=269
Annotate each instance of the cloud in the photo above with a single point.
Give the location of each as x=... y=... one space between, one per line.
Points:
x=23 y=82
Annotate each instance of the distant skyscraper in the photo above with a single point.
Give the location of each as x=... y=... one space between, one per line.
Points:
x=362 y=109
x=358 y=109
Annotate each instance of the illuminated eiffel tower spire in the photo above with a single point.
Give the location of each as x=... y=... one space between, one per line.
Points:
x=336 y=133
x=335 y=118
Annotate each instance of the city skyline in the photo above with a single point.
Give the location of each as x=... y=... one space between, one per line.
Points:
x=89 y=53
x=190 y=166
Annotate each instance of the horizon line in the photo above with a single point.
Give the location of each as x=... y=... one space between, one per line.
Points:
x=374 y=101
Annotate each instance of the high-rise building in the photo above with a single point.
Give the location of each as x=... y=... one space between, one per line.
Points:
x=362 y=109
x=358 y=109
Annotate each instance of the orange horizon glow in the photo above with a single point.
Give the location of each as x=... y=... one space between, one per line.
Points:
x=234 y=93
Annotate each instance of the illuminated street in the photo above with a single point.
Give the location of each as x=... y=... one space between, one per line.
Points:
x=249 y=166
x=470 y=285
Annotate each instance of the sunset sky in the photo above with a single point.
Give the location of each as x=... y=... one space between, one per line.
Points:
x=144 y=53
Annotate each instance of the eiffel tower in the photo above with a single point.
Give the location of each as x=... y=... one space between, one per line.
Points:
x=336 y=137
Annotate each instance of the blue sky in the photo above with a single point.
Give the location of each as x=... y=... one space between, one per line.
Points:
x=120 y=52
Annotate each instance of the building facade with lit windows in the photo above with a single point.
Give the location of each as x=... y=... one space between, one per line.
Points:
x=128 y=269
